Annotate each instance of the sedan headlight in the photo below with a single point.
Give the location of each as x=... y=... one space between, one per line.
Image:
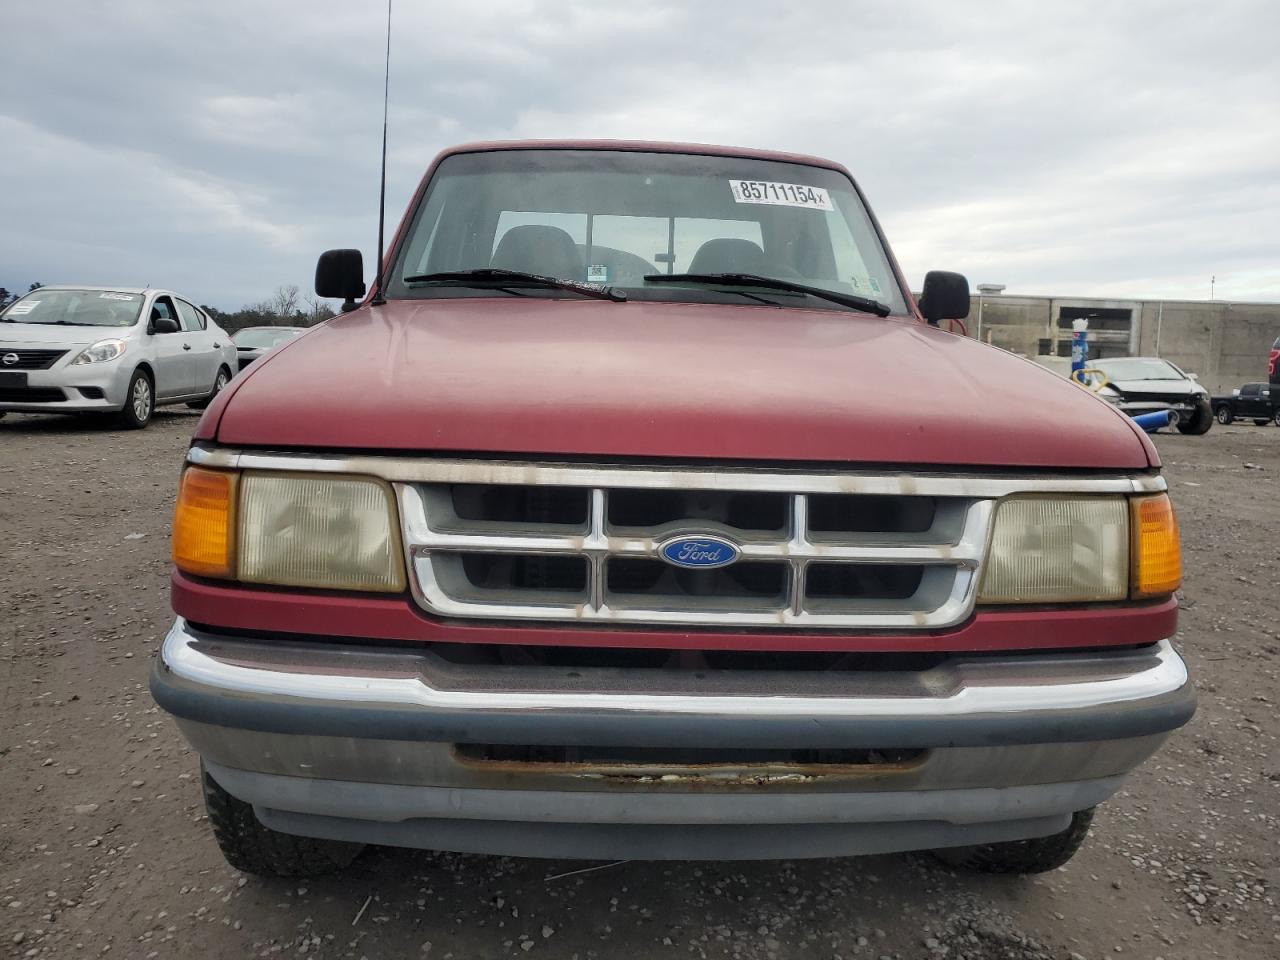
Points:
x=1109 y=394
x=323 y=532
x=101 y=351
x=1058 y=550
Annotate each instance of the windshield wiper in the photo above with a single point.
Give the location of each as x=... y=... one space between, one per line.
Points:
x=865 y=304
x=51 y=323
x=495 y=277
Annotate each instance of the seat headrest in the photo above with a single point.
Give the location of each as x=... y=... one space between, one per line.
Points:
x=725 y=255
x=534 y=248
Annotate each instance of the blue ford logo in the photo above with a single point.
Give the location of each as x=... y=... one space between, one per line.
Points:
x=700 y=553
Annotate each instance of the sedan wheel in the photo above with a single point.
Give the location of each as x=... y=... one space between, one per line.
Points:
x=140 y=402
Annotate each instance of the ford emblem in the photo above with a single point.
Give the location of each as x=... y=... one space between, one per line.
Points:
x=698 y=553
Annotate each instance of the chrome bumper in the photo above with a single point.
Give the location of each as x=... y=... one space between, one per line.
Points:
x=394 y=694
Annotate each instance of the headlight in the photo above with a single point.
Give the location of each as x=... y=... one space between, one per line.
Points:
x=330 y=533
x=333 y=533
x=1058 y=550
x=1109 y=394
x=100 y=351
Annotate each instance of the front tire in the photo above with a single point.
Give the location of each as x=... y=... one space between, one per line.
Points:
x=219 y=384
x=1274 y=419
x=1225 y=416
x=1038 y=855
x=1200 y=422
x=249 y=846
x=139 y=403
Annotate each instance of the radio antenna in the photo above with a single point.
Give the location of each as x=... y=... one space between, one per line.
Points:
x=378 y=299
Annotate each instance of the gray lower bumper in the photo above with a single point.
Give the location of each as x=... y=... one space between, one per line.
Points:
x=691 y=827
x=357 y=743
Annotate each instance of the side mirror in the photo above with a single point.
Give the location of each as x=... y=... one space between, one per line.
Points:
x=340 y=274
x=1193 y=376
x=164 y=325
x=945 y=296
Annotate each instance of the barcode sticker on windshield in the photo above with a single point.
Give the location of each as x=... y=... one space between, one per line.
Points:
x=780 y=194
x=26 y=306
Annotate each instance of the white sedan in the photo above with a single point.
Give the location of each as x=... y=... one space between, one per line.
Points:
x=117 y=350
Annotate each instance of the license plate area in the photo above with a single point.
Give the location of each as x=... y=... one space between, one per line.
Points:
x=12 y=379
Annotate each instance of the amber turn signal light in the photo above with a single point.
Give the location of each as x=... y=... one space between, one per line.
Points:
x=204 y=523
x=1156 y=549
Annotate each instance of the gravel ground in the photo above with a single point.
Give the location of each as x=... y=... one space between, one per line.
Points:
x=104 y=846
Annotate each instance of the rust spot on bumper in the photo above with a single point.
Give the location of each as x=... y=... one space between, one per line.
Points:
x=697 y=776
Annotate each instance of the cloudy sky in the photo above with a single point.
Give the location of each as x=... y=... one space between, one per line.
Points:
x=1126 y=149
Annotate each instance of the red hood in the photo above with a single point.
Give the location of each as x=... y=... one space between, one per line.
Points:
x=650 y=380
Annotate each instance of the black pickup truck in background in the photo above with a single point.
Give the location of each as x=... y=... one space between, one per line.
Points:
x=1259 y=402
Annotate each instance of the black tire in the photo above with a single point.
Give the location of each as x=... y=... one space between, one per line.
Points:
x=1038 y=855
x=1225 y=416
x=1200 y=422
x=219 y=384
x=1274 y=419
x=249 y=846
x=140 y=402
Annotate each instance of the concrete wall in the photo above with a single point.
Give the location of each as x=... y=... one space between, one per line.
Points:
x=1014 y=323
x=1225 y=344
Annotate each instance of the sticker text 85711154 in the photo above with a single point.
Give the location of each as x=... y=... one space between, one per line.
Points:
x=780 y=194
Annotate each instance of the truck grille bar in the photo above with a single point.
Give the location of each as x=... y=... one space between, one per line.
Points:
x=806 y=560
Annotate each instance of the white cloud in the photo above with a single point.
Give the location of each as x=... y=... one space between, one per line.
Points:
x=1121 y=149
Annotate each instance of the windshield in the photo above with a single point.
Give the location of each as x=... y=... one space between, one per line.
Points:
x=1138 y=368
x=611 y=217
x=79 y=308
x=255 y=337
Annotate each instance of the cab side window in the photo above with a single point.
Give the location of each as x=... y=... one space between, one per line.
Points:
x=192 y=318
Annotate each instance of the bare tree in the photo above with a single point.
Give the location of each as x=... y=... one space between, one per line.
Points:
x=316 y=310
x=284 y=303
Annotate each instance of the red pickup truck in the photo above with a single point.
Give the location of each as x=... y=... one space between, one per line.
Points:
x=641 y=511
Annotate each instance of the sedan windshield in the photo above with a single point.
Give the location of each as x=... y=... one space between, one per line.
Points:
x=611 y=217
x=1138 y=368
x=75 y=308
x=259 y=337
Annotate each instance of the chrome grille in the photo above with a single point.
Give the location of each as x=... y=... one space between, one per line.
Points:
x=808 y=558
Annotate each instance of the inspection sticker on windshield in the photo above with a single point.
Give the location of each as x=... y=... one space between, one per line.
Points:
x=115 y=296
x=26 y=306
x=780 y=194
